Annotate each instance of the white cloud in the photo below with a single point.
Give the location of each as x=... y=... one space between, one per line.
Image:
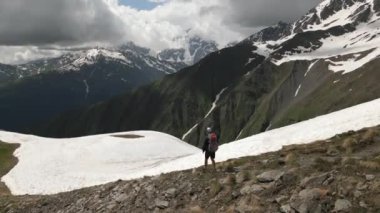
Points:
x=85 y=22
x=22 y=54
x=164 y=26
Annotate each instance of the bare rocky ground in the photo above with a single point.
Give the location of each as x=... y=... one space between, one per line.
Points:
x=341 y=174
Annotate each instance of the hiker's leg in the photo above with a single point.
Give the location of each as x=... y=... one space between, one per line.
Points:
x=206 y=159
x=213 y=163
x=213 y=160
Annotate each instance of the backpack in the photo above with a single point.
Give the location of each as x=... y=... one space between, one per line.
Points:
x=212 y=142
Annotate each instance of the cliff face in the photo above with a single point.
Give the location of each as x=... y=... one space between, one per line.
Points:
x=341 y=174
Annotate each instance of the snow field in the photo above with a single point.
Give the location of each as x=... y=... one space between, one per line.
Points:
x=48 y=166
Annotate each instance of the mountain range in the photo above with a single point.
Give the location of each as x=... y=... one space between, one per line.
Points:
x=325 y=61
x=39 y=90
x=295 y=106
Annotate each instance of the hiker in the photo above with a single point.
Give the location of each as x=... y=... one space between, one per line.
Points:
x=210 y=146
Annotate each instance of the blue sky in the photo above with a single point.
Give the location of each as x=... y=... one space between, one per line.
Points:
x=139 y=4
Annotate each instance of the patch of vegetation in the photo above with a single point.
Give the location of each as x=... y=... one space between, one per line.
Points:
x=370 y=164
x=348 y=145
x=246 y=175
x=230 y=180
x=322 y=165
x=7 y=162
x=369 y=134
x=215 y=188
x=291 y=159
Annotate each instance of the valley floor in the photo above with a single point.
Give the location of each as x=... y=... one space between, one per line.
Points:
x=341 y=174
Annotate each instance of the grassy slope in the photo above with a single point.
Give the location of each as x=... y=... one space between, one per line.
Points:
x=318 y=95
x=7 y=162
x=351 y=89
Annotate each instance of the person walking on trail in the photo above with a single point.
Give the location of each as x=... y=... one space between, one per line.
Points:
x=210 y=146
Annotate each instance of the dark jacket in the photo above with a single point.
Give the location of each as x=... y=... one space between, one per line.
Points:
x=206 y=143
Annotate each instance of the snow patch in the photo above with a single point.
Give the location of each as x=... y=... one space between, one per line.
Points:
x=319 y=128
x=215 y=102
x=309 y=68
x=87 y=88
x=298 y=89
x=49 y=165
x=190 y=130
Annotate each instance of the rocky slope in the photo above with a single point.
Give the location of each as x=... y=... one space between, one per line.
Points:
x=325 y=61
x=341 y=174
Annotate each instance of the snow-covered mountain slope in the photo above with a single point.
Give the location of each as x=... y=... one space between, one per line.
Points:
x=344 y=33
x=194 y=50
x=55 y=165
x=126 y=55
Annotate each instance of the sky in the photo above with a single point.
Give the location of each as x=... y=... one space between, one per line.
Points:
x=32 y=29
x=140 y=4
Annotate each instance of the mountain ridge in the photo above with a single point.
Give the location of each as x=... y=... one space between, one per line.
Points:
x=272 y=90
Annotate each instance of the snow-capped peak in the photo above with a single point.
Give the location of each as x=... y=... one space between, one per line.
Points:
x=129 y=55
x=90 y=56
x=194 y=50
x=332 y=13
x=333 y=31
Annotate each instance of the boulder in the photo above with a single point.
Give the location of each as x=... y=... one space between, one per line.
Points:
x=307 y=200
x=286 y=209
x=269 y=176
x=342 y=205
x=370 y=177
x=248 y=189
x=162 y=204
x=281 y=199
x=362 y=186
x=121 y=197
x=170 y=192
x=235 y=194
x=317 y=180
